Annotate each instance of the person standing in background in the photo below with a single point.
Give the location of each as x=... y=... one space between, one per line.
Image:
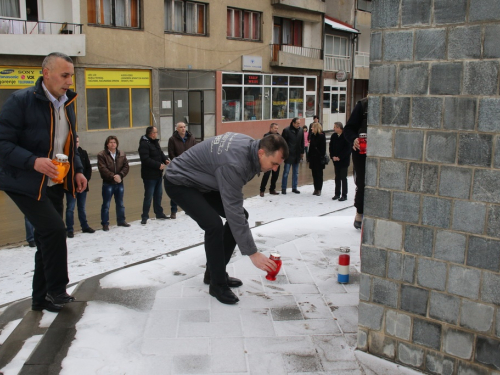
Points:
x=317 y=151
x=180 y=141
x=306 y=142
x=80 y=199
x=113 y=167
x=340 y=153
x=153 y=163
x=273 y=129
x=294 y=137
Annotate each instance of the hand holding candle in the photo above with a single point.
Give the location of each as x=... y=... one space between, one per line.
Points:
x=276 y=258
x=62 y=164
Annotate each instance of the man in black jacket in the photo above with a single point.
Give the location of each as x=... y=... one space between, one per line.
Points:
x=81 y=198
x=37 y=123
x=294 y=137
x=340 y=153
x=153 y=162
x=273 y=129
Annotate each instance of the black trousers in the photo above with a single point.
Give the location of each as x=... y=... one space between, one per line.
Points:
x=317 y=174
x=340 y=180
x=274 y=178
x=359 y=162
x=207 y=209
x=51 y=256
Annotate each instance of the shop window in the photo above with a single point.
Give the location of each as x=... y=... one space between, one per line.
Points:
x=280 y=100
x=231 y=103
x=253 y=103
x=296 y=107
x=97 y=109
x=186 y=17
x=10 y=8
x=243 y=24
x=310 y=105
x=115 y=13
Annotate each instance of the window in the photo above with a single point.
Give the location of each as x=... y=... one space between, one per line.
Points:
x=243 y=24
x=9 y=8
x=185 y=17
x=287 y=31
x=365 y=5
x=336 y=46
x=116 y=13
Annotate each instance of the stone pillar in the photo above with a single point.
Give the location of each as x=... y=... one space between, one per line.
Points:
x=430 y=288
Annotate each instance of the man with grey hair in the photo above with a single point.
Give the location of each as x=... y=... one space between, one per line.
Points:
x=179 y=142
x=37 y=123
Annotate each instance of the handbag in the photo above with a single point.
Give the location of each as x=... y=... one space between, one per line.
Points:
x=325 y=160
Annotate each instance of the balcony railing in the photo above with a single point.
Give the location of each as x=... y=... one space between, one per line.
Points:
x=10 y=26
x=313 y=53
x=362 y=60
x=336 y=63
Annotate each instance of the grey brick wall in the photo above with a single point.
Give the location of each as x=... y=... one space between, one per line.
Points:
x=430 y=260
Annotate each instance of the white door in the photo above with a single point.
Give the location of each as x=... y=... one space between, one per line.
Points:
x=334 y=103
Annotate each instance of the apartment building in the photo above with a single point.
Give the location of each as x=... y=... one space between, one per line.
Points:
x=219 y=65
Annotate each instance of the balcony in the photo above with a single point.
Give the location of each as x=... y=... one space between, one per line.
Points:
x=362 y=65
x=336 y=63
x=39 y=38
x=309 y=5
x=296 y=57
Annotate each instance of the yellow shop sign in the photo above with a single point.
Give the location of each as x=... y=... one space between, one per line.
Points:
x=117 y=78
x=18 y=77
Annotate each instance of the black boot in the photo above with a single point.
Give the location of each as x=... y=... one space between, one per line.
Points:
x=223 y=294
x=232 y=282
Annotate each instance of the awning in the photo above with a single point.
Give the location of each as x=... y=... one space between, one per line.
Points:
x=340 y=26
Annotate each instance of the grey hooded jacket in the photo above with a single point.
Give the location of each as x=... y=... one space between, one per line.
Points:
x=224 y=163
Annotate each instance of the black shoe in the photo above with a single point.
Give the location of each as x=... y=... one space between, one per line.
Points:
x=173 y=215
x=261 y=193
x=61 y=299
x=344 y=198
x=46 y=305
x=70 y=234
x=88 y=230
x=273 y=192
x=223 y=294
x=31 y=244
x=335 y=197
x=232 y=282
x=144 y=221
x=124 y=224
x=105 y=227
x=162 y=217
x=283 y=191
x=295 y=191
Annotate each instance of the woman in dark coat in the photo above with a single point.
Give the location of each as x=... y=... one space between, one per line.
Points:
x=317 y=151
x=340 y=153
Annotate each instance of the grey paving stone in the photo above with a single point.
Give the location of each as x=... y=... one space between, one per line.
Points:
x=385 y=292
x=450 y=246
x=398 y=46
x=347 y=318
x=393 y=174
x=489 y=113
x=385 y=14
x=484 y=10
x=419 y=240
x=450 y=11
x=455 y=182
x=377 y=203
x=413 y=79
x=481 y=77
x=445 y=78
x=185 y=364
x=416 y=12
x=380 y=142
x=469 y=216
x=459 y=113
x=395 y=265
x=406 y=207
x=370 y=315
x=382 y=79
x=409 y=144
x=395 y=111
x=475 y=149
x=436 y=212
x=431 y=274
x=397 y=324
x=426 y=112
x=301 y=362
x=381 y=345
x=444 y=307
x=464 y=282
x=487 y=350
x=427 y=333
x=430 y=44
x=414 y=300
x=490 y=292
x=464 y=42
x=476 y=316
x=485 y=188
x=373 y=110
x=410 y=355
x=422 y=178
x=458 y=343
x=409 y=268
x=388 y=234
x=287 y=313
x=373 y=261
x=437 y=363
x=484 y=253
x=441 y=147
x=491 y=41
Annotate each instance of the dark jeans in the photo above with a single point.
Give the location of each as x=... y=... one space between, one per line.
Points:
x=152 y=191
x=207 y=209
x=274 y=178
x=51 y=256
x=30 y=232
x=317 y=174
x=173 y=206
x=80 y=200
x=359 y=162
x=108 y=190
x=340 y=180
x=295 y=175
